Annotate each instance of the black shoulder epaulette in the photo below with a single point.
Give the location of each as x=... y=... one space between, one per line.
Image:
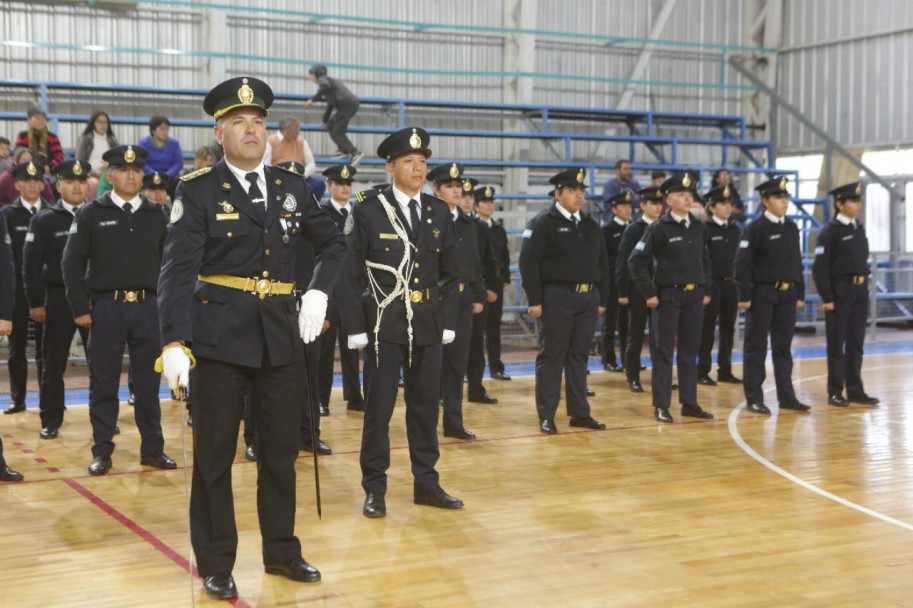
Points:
x=361 y=196
x=195 y=174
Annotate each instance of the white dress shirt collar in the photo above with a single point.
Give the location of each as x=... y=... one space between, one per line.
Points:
x=719 y=222
x=134 y=202
x=773 y=218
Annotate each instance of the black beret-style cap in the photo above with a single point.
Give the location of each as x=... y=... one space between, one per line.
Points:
x=677 y=183
x=156 y=179
x=340 y=173
x=404 y=141
x=650 y=193
x=121 y=156
x=32 y=169
x=622 y=198
x=569 y=177
x=773 y=187
x=72 y=169
x=447 y=172
x=723 y=193
x=484 y=194
x=847 y=191
x=241 y=92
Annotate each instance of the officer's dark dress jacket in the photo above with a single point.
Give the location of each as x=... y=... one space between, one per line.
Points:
x=221 y=232
x=43 y=252
x=723 y=243
x=434 y=272
x=679 y=255
x=470 y=250
x=842 y=250
x=768 y=253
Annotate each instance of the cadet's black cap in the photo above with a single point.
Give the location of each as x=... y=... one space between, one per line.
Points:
x=241 y=92
x=468 y=184
x=156 y=179
x=847 y=191
x=650 y=193
x=30 y=170
x=773 y=187
x=448 y=172
x=72 y=169
x=569 y=177
x=680 y=182
x=622 y=198
x=484 y=194
x=404 y=141
x=293 y=166
x=723 y=193
x=125 y=155
x=340 y=173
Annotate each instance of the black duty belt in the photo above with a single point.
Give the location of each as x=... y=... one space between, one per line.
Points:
x=417 y=296
x=856 y=279
x=783 y=285
x=124 y=295
x=576 y=287
x=687 y=286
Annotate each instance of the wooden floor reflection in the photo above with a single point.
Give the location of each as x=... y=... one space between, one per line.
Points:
x=641 y=514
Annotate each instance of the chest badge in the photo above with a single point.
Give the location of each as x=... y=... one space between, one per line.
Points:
x=436 y=233
x=349 y=224
x=289 y=204
x=227 y=207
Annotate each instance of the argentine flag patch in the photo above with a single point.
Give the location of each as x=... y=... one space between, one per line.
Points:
x=819 y=250
x=743 y=244
x=640 y=246
x=527 y=233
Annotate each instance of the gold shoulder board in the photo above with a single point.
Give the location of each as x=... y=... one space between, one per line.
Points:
x=195 y=174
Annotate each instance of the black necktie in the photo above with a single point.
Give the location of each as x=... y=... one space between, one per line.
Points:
x=345 y=213
x=413 y=216
x=128 y=208
x=256 y=197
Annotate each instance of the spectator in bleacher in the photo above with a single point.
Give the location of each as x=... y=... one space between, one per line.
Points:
x=164 y=152
x=5 y=159
x=7 y=289
x=342 y=105
x=205 y=156
x=289 y=146
x=657 y=177
x=96 y=139
x=622 y=182
x=8 y=191
x=44 y=145
x=721 y=178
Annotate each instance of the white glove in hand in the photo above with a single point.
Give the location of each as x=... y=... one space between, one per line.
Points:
x=176 y=368
x=313 y=312
x=448 y=336
x=357 y=341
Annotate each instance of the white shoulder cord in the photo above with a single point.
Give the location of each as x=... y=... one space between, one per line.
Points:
x=402 y=274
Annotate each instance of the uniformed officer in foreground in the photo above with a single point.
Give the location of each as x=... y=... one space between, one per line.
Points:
x=677 y=292
x=723 y=237
x=841 y=271
x=18 y=215
x=226 y=296
x=45 y=289
x=403 y=248
x=111 y=267
x=564 y=268
x=339 y=183
x=615 y=315
x=768 y=272
x=7 y=299
x=483 y=199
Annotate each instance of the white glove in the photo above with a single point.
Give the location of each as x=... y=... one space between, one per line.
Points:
x=313 y=312
x=357 y=341
x=176 y=367
x=448 y=337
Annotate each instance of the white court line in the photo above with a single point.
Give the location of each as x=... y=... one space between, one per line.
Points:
x=734 y=433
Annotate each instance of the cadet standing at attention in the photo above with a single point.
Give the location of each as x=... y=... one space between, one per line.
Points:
x=616 y=315
x=841 y=271
x=7 y=297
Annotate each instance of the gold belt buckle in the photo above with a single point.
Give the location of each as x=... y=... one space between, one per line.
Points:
x=584 y=287
x=264 y=287
x=859 y=279
x=689 y=287
x=130 y=296
x=415 y=296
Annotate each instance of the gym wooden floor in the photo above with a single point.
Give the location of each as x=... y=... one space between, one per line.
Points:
x=788 y=510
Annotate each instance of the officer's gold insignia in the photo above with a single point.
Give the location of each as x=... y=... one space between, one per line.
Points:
x=245 y=93
x=454 y=171
x=415 y=141
x=858 y=189
x=783 y=184
x=428 y=208
x=278 y=182
x=686 y=181
x=226 y=186
x=344 y=174
x=199 y=172
x=129 y=155
x=156 y=179
x=488 y=193
x=436 y=233
x=32 y=169
x=467 y=186
x=227 y=207
x=580 y=176
x=628 y=195
x=77 y=168
x=726 y=192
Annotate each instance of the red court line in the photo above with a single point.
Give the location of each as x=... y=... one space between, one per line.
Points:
x=147 y=536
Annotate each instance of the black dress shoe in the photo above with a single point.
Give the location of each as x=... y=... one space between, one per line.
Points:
x=838 y=400
x=587 y=422
x=611 y=367
x=547 y=425
x=15 y=408
x=661 y=414
x=706 y=380
x=797 y=406
x=250 y=453
x=590 y=392
x=48 y=432
x=159 y=461
x=117 y=430
x=863 y=399
x=758 y=408
x=100 y=466
x=460 y=434
x=728 y=378
x=323 y=409
x=374 y=505
x=7 y=474
x=295 y=570
x=696 y=411
x=355 y=406
x=220 y=587
x=131 y=400
x=674 y=386
x=400 y=383
x=635 y=387
x=486 y=398
x=322 y=448
x=189 y=419
x=437 y=498
x=500 y=376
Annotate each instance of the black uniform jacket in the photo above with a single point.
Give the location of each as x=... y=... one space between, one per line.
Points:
x=221 y=232
x=469 y=254
x=43 y=252
x=629 y=239
x=434 y=272
x=501 y=249
x=769 y=252
x=841 y=250
x=491 y=274
x=679 y=256
x=17 y=226
x=7 y=274
x=723 y=243
x=612 y=232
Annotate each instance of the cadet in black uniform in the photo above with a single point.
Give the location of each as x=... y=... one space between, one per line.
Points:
x=723 y=238
x=339 y=183
x=46 y=292
x=676 y=291
x=226 y=294
x=475 y=369
x=448 y=186
x=485 y=208
x=564 y=268
x=615 y=314
x=111 y=266
x=7 y=300
x=768 y=272
x=29 y=182
x=404 y=249
x=841 y=271
x=630 y=296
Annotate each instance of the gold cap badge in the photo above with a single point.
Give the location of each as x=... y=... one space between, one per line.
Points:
x=32 y=169
x=467 y=186
x=245 y=93
x=726 y=192
x=628 y=195
x=488 y=192
x=686 y=181
x=580 y=176
x=783 y=184
x=454 y=171
x=77 y=168
x=415 y=141
x=344 y=174
x=859 y=189
x=156 y=178
x=129 y=155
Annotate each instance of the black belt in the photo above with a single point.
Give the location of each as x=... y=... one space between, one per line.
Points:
x=576 y=287
x=855 y=279
x=686 y=286
x=124 y=295
x=417 y=296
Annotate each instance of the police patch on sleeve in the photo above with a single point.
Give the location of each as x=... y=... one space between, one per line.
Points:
x=640 y=246
x=177 y=210
x=29 y=237
x=819 y=250
x=743 y=244
x=527 y=233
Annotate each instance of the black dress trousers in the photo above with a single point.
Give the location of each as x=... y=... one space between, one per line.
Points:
x=59 y=329
x=677 y=317
x=772 y=313
x=845 y=329
x=723 y=306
